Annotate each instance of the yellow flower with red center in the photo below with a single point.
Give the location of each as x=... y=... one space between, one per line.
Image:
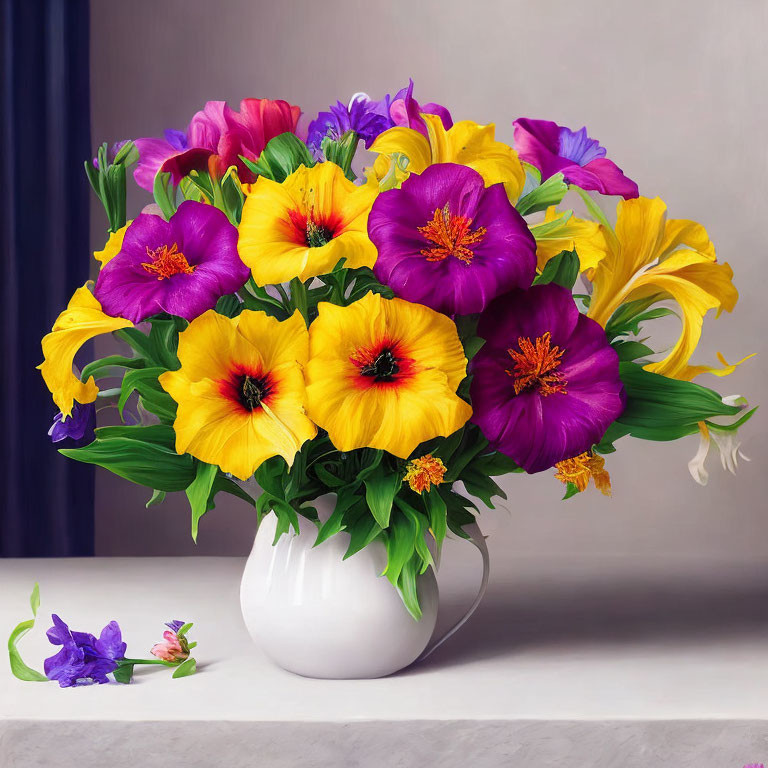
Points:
x=422 y=473
x=79 y=322
x=240 y=390
x=580 y=469
x=384 y=374
x=306 y=225
x=465 y=143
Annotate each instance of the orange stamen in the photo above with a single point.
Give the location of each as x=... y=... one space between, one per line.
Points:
x=166 y=262
x=581 y=468
x=535 y=365
x=451 y=236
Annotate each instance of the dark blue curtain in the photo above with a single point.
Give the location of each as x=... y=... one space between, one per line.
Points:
x=47 y=507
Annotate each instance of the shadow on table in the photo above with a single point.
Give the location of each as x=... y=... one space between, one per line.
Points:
x=507 y=624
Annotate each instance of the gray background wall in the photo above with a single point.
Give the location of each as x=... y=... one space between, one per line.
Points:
x=674 y=90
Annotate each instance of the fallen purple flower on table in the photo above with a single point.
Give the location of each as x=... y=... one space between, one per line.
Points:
x=83 y=659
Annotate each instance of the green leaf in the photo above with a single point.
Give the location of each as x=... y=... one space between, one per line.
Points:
x=186 y=668
x=335 y=522
x=407 y=585
x=547 y=228
x=551 y=192
x=562 y=269
x=123 y=674
x=104 y=365
x=631 y=350
x=281 y=157
x=629 y=317
x=362 y=532
x=142 y=462
x=437 y=510
x=570 y=490
x=165 y=194
x=595 y=211
x=401 y=544
x=660 y=408
x=341 y=152
x=199 y=492
x=158 y=497
x=139 y=379
x=19 y=669
x=160 y=434
x=229 y=306
x=381 y=488
x=481 y=486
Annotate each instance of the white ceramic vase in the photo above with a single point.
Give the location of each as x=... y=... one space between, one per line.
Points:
x=318 y=615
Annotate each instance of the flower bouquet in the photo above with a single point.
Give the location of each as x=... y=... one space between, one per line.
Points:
x=396 y=327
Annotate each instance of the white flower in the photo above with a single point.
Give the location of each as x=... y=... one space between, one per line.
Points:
x=728 y=444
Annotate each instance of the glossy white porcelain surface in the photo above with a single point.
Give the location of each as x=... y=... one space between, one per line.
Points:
x=318 y=615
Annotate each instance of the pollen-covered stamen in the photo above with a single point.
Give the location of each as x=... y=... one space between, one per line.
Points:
x=536 y=364
x=166 y=262
x=252 y=391
x=317 y=234
x=451 y=235
x=382 y=368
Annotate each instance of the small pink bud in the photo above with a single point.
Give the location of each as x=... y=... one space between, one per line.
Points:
x=170 y=649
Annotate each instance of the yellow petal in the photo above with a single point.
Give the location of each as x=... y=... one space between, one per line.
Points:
x=465 y=143
x=271 y=241
x=418 y=403
x=80 y=321
x=586 y=237
x=697 y=285
x=211 y=422
x=112 y=247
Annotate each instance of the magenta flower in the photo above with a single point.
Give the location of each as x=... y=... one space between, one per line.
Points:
x=447 y=241
x=546 y=383
x=554 y=149
x=182 y=266
x=406 y=111
x=83 y=659
x=216 y=130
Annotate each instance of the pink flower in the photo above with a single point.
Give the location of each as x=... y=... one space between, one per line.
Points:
x=172 y=648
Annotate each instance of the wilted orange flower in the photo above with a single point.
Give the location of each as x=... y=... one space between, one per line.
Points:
x=580 y=468
x=421 y=474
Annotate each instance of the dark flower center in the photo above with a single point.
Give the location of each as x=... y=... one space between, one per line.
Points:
x=535 y=366
x=317 y=234
x=252 y=390
x=383 y=368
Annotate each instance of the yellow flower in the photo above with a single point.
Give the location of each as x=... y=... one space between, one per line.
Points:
x=80 y=321
x=564 y=232
x=240 y=390
x=652 y=258
x=304 y=226
x=581 y=468
x=421 y=474
x=112 y=247
x=466 y=143
x=384 y=373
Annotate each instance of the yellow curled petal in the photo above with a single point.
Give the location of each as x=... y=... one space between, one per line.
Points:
x=82 y=320
x=112 y=247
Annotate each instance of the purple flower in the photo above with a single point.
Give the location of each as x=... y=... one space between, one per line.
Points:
x=546 y=383
x=79 y=426
x=554 y=149
x=368 y=118
x=363 y=116
x=216 y=130
x=406 y=111
x=153 y=153
x=175 y=625
x=83 y=659
x=447 y=241
x=182 y=266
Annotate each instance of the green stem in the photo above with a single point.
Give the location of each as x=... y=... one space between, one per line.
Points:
x=299 y=298
x=283 y=295
x=126 y=662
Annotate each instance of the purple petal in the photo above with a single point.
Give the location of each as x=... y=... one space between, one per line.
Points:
x=110 y=644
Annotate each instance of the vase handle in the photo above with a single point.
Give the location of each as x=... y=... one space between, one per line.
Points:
x=477 y=538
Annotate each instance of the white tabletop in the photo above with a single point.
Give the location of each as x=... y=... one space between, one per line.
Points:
x=573 y=664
